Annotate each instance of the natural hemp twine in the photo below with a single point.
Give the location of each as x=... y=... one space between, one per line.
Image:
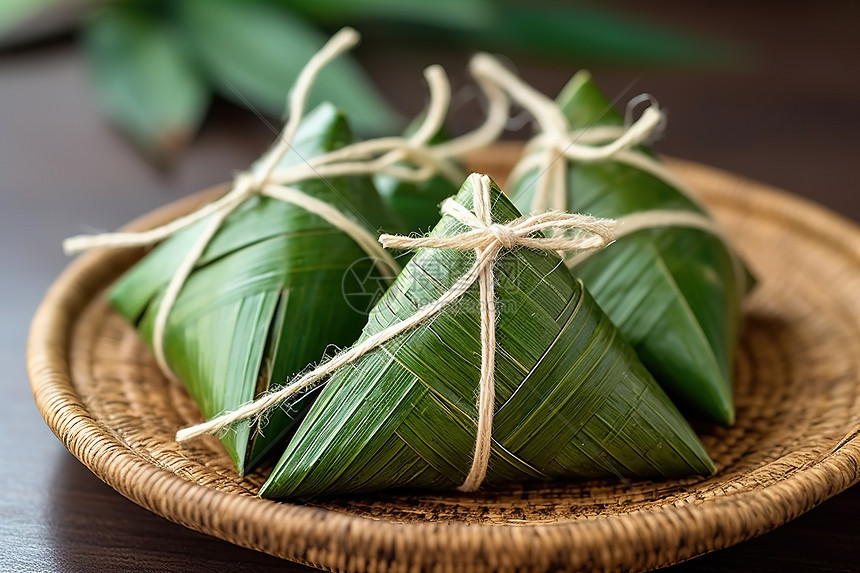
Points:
x=555 y=144
x=488 y=239
x=387 y=155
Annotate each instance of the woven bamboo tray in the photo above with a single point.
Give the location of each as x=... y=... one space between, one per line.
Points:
x=795 y=443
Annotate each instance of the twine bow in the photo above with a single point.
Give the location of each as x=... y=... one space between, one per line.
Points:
x=488 y=240
x=559 y=144
x=555 y=145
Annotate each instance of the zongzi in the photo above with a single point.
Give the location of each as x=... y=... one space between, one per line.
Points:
x=571 y=397
x=672 y=284
x=267 y=296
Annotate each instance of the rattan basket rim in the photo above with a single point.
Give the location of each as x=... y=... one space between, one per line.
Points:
x=265 y=525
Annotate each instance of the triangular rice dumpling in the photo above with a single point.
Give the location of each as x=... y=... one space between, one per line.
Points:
x=674 y=292
x=274 y=289
x=572 y=399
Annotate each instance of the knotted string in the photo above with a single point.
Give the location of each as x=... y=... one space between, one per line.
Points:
x=555 y=145
x=559 y=144
x=408 y=159
x=488 y=240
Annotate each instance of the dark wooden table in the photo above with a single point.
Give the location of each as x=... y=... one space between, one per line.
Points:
x=791 y=118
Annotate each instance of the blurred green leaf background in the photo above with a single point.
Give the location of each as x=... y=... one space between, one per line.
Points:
x=157 y=64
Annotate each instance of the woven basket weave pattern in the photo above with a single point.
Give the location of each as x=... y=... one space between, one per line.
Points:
x=795 y=442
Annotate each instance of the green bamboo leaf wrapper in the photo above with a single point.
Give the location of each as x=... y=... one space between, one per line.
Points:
x=673 y=291
x=572 y=399
x=271 y=292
